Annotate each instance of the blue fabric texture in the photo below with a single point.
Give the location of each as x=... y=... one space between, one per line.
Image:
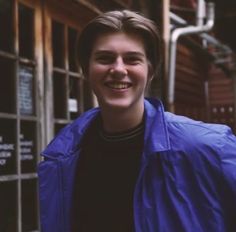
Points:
x=187 y=179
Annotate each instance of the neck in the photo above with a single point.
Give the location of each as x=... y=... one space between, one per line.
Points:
x=118 y=121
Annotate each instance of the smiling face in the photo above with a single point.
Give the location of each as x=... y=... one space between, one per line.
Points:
x=118 y=72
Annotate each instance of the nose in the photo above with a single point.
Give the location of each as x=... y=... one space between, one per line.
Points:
x=119 y=68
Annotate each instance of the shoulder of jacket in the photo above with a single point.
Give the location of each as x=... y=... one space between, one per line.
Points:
x=196 y=134
x=70 y=136
x=184 y=122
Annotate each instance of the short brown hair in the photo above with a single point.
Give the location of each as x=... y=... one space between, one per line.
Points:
x=120 y=21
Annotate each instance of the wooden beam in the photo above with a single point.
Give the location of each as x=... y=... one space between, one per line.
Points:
x=234 y=83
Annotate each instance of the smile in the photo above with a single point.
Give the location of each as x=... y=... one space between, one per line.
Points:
x=118 y=85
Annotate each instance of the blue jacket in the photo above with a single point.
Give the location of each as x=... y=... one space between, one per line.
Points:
x=187 y=180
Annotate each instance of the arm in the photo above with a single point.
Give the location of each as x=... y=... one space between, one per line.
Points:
x=228 y=164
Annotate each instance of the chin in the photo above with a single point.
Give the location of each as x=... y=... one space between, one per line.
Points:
x=116 y=105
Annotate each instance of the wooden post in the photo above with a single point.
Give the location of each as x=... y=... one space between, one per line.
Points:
x=233 y=75
x=166 y=39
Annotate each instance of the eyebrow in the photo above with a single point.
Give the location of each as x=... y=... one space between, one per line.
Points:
x=110 y=52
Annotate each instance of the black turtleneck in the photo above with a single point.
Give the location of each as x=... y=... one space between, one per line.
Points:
x=104 y=185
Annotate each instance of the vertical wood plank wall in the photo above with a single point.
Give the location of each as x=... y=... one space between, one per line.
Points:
x=221 y=97
x=203 y=91
x=190 y=97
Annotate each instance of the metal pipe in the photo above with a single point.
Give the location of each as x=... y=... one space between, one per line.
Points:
x=173 y=46
x=177 y=19
x=201 y=13
x=216 y=43
x=210 y=39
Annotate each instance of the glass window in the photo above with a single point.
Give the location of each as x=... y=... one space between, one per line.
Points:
x=29 y=205
x=72 y=37
x=7 y=85
x=59 y=95
x=58 y=44
x=6 y=25
x=75 y=97
x=26 y=32
x=8 y=209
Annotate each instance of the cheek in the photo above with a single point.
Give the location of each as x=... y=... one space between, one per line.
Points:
x=96 y=69
x=95 y=76
x=144 y=75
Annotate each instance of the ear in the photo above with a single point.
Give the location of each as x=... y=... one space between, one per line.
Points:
x=149 y=79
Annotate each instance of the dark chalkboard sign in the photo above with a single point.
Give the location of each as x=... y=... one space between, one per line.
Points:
x=28 y=146
x=7 y=147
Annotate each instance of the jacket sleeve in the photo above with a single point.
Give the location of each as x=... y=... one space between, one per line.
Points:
x=228 y=160
x=228 y=165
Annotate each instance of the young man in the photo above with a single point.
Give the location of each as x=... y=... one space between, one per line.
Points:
x=128 y=165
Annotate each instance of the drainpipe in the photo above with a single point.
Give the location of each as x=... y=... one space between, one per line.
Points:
x=199 y=28
x=209 y=39
x=201 y=13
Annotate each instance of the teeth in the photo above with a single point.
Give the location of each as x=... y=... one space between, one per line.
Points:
x=118 y=85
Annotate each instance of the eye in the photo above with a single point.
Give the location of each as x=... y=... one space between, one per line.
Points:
x=104 y=59
x=132 y=60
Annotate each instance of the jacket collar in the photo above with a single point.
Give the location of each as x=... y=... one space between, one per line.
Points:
x=156 y=137
x=67 y=141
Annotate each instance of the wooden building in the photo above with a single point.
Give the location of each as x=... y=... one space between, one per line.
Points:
x=42 y=90
x=205 y=86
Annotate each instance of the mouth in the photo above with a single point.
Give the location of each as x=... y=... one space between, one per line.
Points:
x=118 y=85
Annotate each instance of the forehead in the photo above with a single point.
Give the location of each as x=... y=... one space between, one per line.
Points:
x=119 y=41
